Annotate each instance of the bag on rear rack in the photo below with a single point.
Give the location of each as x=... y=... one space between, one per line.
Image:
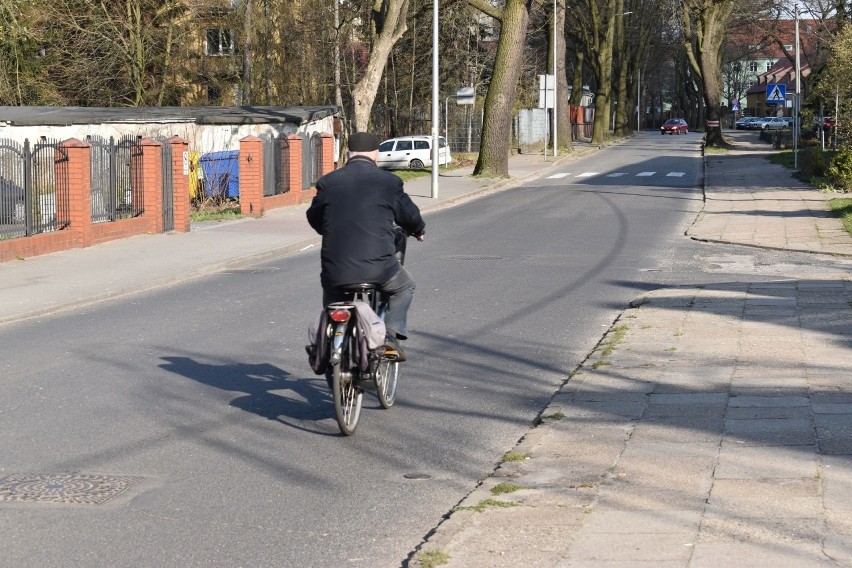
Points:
x=317 y=346
x=369 y=332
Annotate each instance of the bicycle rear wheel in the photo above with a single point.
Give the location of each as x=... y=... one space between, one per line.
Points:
x=347 y=396
x=387 y=377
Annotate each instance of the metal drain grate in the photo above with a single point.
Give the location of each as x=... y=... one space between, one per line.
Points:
x=73 y=489
x=474 y=257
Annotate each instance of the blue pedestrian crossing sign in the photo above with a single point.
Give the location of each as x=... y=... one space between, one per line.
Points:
x=776 y=93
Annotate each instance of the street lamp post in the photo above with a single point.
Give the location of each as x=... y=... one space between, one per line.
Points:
x=555 y=86
x=436 y=102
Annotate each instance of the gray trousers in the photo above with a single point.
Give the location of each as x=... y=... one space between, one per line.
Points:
x=400 y=290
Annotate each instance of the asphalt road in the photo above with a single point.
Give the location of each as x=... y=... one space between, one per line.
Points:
x=203 y=392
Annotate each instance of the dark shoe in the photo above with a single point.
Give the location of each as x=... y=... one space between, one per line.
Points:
x=393 y=350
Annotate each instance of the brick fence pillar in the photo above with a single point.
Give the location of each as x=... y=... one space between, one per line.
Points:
x=327 y=152
x=152 y=183
x=251 y=176
x=180 y=175
x=295 y=159
x=78 y=173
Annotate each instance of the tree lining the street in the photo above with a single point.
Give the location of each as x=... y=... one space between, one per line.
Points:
x=513 y=17
x=276 y=52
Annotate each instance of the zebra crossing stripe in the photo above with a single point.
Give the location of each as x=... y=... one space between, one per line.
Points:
x=613 y=174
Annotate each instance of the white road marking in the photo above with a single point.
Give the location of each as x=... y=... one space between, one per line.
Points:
x=557 y=176
x=587 y=174
x=645 y=174
x=675 y=174
x=616 y=174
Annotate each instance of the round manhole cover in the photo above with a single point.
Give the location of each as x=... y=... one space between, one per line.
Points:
x=64 y=488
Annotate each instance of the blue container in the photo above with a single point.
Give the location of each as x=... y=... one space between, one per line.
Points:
x=221 y=173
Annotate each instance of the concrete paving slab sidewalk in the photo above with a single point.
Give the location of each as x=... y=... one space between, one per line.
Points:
x=690 y=469
x=753 y=202
x=710 y=428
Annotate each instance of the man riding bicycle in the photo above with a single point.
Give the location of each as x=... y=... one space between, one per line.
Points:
x=356 y=210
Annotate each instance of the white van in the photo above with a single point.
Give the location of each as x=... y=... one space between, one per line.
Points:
x=412 y=152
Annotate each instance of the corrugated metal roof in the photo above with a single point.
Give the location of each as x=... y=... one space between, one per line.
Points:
x=62 y=116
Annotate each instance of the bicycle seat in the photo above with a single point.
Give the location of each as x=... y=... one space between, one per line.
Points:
x=363 y=287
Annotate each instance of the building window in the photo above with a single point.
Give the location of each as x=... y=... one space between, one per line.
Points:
x=768 y=65
x=752 y=66
x=218 y=42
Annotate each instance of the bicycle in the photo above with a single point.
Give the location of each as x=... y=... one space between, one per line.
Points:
x=345 y=374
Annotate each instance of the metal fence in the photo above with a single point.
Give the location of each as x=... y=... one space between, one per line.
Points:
x=33 y=198
x=116 y=178
x=311 y=159
x=168 y=187
x=462 y=127
x=276 y=164
x=316 y=153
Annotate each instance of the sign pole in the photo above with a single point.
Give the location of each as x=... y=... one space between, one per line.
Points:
x=798 y=94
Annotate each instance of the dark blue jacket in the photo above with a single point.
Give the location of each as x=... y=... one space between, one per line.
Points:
x=354 y=210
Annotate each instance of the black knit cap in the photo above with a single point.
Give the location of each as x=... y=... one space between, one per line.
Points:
x=363 y=142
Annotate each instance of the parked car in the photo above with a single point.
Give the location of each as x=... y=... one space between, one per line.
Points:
x=768 y=123
x=742 y=123
x=827 y=122
x=412 y=152
x=759 y=123
x=675 y=126
x=777 y=123
x=791 y=122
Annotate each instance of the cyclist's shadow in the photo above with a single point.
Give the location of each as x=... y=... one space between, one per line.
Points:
x=300 y=403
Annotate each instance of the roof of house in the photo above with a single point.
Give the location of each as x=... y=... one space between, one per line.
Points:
x=63 y=116
x=783 y=72
x=760 y=39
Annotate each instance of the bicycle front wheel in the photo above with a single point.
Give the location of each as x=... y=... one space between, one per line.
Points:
x=347 y=396
x=387 y=377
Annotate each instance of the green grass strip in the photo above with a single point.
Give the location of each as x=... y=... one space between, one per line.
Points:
x=842 y=208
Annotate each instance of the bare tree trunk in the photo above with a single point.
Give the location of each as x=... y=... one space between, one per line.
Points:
x=413 y=70
x=338 y=94
x=390 y=17
x=137 y=49
x=493 y=158
x=577 y=81
x=246 y=98
x=167 y=61
x=705 y=24
x=597 y=32
x=563 y=123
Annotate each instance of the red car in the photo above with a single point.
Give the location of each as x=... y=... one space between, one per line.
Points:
x=675 y=126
